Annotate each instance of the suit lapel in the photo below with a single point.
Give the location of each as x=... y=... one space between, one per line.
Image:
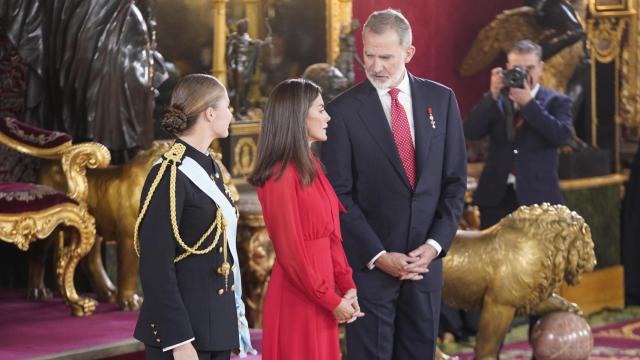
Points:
x=541 y=96
x=422 y=127
x=541 y=99
x=372 y=115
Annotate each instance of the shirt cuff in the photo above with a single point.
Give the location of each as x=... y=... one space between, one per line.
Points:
x=372 y=263
x=176 y=345
x=435 y=245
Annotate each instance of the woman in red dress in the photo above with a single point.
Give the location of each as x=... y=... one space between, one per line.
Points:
x=311 y=289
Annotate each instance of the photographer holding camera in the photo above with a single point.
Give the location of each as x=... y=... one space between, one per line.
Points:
x=526 y=124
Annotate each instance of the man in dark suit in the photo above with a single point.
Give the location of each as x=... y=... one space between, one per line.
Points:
x=396 y=158
x=522 y=166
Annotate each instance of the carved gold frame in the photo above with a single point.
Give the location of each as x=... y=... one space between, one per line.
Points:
x=338 y=13
x=620 y=5
x=614 y=37
x=23 y=228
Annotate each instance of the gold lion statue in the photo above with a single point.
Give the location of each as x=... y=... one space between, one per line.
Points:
x=516 y=267
x=114 y=199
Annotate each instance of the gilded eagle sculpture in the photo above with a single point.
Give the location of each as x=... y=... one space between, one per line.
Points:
x=516 y=267
x=505 y=30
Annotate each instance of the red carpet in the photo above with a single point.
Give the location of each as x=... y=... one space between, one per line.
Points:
x=619 y=341
x=33 y=329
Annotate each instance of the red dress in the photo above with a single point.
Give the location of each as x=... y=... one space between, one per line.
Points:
x=309 y=271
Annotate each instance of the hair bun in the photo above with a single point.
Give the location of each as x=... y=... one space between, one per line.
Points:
x=174 y=120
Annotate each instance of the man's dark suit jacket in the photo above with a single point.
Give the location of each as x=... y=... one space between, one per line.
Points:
x=364 y=167
x=533 y=153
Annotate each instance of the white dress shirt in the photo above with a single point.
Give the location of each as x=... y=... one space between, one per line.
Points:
x=404 y=96
x=176 y=345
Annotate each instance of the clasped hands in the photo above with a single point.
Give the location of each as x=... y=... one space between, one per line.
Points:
x=410 y=266
x=348 y=310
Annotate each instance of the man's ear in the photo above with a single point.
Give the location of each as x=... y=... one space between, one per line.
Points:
x=411 y=50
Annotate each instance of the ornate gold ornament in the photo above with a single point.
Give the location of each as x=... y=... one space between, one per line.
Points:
x=338 y=14
x=23 y=228
x=606 y=37
x=613 y=34
x=244 y=156
x=256 y=256
x=630 y=70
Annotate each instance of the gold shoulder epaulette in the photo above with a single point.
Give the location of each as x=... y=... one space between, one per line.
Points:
x=176 y=153
x=172 y=158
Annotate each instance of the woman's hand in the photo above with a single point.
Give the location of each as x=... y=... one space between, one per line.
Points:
x=344 y=311
x=352 y=295
x=185 y=352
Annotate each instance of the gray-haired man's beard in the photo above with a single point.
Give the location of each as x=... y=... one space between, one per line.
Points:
x=383 y=85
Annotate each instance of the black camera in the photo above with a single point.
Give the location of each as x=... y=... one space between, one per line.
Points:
x=515 y=77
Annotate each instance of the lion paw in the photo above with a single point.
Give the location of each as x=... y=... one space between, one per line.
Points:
x=39 y=294
x=107 y=294
x=574 y=308
x=83 y=307
x=130 y=303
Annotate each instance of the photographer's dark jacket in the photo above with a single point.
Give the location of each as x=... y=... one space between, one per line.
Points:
x=533 y=154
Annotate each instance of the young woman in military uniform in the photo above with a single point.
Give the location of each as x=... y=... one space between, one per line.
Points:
x=185 y=236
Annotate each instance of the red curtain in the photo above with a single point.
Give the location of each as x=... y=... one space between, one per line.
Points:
x=443 y=31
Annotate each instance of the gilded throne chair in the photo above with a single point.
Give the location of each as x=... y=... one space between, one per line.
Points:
x=31 y=212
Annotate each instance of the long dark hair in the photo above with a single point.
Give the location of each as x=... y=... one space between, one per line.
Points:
x=284 y=137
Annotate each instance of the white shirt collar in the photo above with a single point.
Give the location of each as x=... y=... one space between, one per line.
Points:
x=404 y=86
x=535 y=90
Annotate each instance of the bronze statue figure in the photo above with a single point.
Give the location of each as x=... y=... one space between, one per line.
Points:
x=348 y=52
x=92 y=68
x=242 y=62
x=328 y=77
x=562 y=29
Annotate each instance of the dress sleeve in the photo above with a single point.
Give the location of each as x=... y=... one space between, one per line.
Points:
x=341 y=270
x=157 y=270
x=279 y=200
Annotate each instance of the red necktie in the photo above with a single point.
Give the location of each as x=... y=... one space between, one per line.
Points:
x=518 y=122
x=402 y=137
